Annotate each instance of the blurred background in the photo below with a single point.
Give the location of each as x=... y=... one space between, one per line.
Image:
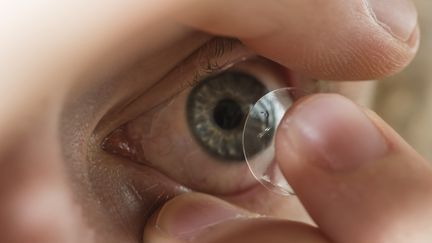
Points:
x=405 y=100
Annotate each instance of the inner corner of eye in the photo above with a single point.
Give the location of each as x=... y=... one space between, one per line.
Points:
x=119 y=143
x=217 y=109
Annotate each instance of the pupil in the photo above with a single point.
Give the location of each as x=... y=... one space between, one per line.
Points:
x=227 y=114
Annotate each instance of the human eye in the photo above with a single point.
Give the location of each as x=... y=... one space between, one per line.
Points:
x=189 y=124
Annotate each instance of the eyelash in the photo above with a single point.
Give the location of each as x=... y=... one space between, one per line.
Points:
x=208 y=58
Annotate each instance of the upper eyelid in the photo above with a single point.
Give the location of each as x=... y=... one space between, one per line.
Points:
x=208 y=55
x=209 y=58
x=217 y=47
x=206 y=60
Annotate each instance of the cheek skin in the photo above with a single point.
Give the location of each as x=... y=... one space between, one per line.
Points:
x=125 y=195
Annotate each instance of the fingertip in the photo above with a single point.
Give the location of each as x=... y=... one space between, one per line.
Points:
x=189 y=215
x=202 y=218
x=329 y=131
x=347 y=166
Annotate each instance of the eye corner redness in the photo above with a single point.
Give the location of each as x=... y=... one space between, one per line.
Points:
x=118 y=143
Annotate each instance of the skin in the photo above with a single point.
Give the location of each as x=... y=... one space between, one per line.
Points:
x=68 y=69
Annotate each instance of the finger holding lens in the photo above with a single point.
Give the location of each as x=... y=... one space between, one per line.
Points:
x=259 y=137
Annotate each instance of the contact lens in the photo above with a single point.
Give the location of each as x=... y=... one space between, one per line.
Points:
x=259 y=137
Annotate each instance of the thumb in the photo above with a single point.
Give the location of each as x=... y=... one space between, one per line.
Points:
x=196 y=217
x=356 y=177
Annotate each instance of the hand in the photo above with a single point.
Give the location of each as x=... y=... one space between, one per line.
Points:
x=356 y=177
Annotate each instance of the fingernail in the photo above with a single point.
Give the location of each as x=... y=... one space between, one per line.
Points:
x=399 y=17
x=186 y=217
x=331 y=131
